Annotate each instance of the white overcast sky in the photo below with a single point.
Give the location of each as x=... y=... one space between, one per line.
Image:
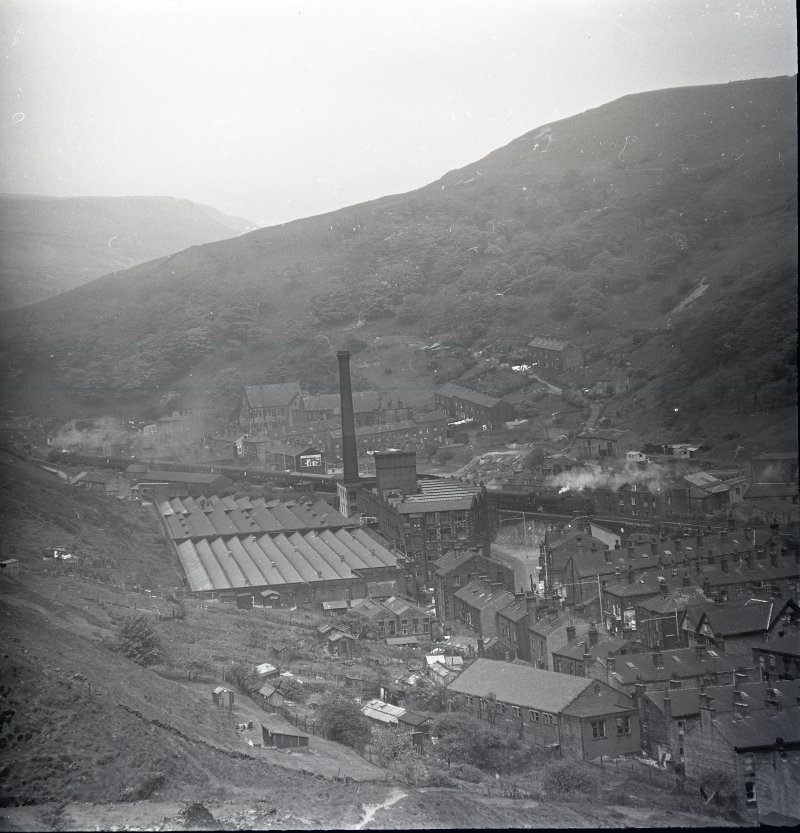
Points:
x=278 y=109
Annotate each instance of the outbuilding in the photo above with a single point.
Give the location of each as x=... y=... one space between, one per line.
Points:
x=284 y=738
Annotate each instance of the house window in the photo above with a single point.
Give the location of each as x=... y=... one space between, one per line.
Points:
x=748 y=762
x=404 y=626
x=598 y=729
x=534 y=716
x=456 y=581
x=623 y=725
x=416 y=625
x=750 y=791
x=426 y=625
x=515 y=711
x=501 y=708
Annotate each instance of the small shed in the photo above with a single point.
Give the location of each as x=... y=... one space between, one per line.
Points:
x=269 y=697
x=382 y=712
x=266 y=671
x=244 y=601
x=335 y=607
x=267 y=598
x=222 y=697
x=284 y=738
x=402 y=641
x=414 y=722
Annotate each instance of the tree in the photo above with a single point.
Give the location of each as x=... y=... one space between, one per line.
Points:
x=430 y=449
x=460 y=738
x=445 y=454
x=390 y=745
x=138 y=640
x=243 y=676
x=343 y=722
x=291 y=689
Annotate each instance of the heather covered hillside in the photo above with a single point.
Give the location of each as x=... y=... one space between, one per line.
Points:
x=661 y=228
x=49 y=245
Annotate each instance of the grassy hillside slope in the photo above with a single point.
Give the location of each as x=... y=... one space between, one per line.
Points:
x=599 y=227
x=49 y=245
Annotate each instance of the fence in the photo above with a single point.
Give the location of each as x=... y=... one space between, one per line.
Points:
x=640 y=770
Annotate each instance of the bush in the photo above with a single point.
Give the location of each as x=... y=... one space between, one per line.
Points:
x=470 y=774
x=566 y=778
x=138 y=640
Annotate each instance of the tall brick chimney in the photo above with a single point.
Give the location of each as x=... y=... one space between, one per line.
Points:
x=349 y=451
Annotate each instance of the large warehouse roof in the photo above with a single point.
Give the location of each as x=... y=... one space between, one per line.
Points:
x=268 y=561
x=209 y=517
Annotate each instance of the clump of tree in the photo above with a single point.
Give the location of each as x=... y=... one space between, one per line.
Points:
x=138 y=640
x=342 y=721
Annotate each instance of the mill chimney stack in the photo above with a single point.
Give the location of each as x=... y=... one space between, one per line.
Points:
x=349 y=452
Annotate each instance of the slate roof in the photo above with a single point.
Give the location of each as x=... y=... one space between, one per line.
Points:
x=160 y=476
x=364 y=401
x=520 y=685
x=271 y=396
x=451 y=391
x=271 y=561
x=477 y=595
x=205 y=517
x=787 y=645
x=400 y=606
x=438 y=496
x=761 y=491
x=514 y=611
x=678 y=599
x=759 y=730
x=606 y=644
x=452 y=561
x=682 y=662
x=751 y=616
x=686 y=701
x=550 y=624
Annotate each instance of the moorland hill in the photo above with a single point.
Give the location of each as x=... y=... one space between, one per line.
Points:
x=659 y=230
x=49 y=245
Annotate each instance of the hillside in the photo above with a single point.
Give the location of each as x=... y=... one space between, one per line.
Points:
x=49 y=245
x=658 y=231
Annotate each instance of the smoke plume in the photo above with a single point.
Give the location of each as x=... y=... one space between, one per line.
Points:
x=650 y=477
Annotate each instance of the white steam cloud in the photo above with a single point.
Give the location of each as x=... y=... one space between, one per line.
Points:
x=651 y=478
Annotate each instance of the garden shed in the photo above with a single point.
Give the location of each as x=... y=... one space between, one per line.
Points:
x=284 y=738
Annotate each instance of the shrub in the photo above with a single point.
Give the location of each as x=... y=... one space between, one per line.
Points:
x=138 y=640
x=566 y=778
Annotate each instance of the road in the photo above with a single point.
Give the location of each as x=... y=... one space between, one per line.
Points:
x=525 y=563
